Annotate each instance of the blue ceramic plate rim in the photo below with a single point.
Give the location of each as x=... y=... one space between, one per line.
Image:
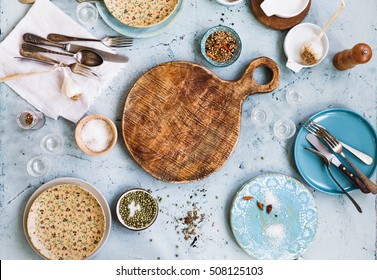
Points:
x=311 y=205
x=139 y=32
x=226 y=29
x=298 y=150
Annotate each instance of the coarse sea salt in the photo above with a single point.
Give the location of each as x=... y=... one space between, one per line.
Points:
x=276 y=233
x=96 y=134
x=270 y=198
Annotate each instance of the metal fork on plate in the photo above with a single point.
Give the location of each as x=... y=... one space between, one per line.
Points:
x=76 y=68
x=327 y=163
x=109 y=41
x=313 y=127
x=337 y=147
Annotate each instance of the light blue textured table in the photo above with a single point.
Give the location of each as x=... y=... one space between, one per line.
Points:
x=342 y=232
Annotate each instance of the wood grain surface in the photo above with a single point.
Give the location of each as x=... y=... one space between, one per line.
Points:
x=181 y=122
x=275 y=22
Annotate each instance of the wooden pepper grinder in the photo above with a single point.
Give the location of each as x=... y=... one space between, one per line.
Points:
x=359 y=54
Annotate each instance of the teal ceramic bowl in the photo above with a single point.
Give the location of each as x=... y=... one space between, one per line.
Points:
x=232 y=33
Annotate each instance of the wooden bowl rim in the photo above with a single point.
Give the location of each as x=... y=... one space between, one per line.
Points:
x=81 y=124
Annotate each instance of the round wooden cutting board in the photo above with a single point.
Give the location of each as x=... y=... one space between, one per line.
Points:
x=181 y=122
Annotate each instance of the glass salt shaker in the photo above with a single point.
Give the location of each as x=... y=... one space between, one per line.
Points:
x=31 y=119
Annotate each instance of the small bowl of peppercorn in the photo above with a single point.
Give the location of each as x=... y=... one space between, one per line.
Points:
x=137 y=209
x=221 y=46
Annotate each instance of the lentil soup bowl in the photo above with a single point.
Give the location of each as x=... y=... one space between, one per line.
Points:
x=137 y=209
x=221 y=46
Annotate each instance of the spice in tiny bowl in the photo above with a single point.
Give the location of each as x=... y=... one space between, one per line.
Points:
x=137 y=209
x=221 y=46
x=96 y=134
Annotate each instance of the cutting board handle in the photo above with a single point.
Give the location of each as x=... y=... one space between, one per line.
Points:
x=247 y=84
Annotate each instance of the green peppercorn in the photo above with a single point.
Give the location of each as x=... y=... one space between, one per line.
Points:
x=138 y=209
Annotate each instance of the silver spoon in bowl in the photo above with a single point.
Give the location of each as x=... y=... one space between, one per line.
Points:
x=327 y=162
x=86 y=57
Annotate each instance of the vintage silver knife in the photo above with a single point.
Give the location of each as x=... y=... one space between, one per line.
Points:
x=72 y=48
x=312 y=139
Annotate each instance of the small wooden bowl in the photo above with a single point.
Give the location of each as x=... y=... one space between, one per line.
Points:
x=82 y=145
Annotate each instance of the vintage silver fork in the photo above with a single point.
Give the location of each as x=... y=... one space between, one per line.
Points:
x=109 y=41
x=336 y=147
x=76 y=68
x=314 y=127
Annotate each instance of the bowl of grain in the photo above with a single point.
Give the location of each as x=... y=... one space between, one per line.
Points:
x=137 y=209
x=221 y=46
x=96 y=134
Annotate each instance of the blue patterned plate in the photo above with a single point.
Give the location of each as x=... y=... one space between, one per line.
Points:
x=352 y=129
x=138 y=32
x=283 y=233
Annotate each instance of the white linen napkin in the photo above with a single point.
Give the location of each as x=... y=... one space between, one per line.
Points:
x=44 y=91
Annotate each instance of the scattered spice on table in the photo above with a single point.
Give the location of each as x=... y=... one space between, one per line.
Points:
x=220 y=46
x=97 y=135
x=191 y=223
x=138 y=209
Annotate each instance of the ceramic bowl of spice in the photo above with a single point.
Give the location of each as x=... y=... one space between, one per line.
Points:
x=221 y=46
x=96 y=134
x=137 y=209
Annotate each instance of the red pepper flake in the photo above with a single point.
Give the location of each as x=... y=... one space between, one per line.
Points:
x=211 y=55
x=260 y=205
x=226 y=47
x=269 y=208
x=248 y=197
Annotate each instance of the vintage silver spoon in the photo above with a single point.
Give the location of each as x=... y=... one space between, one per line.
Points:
x=327 y=162
x=86 y=57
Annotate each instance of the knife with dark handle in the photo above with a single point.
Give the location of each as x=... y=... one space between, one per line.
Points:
x=327 y=163
x=350 y=175
x=72 y=48
x=312 y=139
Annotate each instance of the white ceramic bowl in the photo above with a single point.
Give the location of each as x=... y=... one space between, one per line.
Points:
x=284 y=8
x=229 y=2
x=154 y=206
x=296 y=38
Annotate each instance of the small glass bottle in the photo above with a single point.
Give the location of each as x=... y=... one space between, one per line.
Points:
x=31 y=119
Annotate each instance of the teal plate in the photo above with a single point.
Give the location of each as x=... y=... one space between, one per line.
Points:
x=287 y=231
x=350 y=128
x=138 y=32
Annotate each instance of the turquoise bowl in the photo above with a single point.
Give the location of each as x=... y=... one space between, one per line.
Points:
x=229 y=31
